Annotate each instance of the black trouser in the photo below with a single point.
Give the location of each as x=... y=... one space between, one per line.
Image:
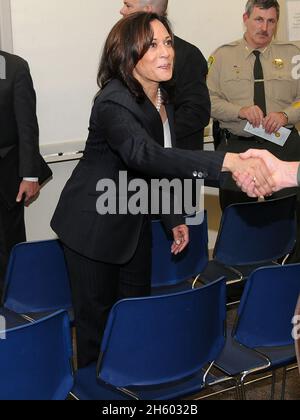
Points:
x=231 y=194
x=97 y=286
x=12 y=232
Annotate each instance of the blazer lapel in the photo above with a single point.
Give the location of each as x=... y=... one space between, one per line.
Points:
x=145 y=112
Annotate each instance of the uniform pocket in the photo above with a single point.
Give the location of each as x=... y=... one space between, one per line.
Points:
x=281 y=86
x=237 y=84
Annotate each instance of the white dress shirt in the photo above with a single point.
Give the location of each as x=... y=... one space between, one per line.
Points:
x=167 y=135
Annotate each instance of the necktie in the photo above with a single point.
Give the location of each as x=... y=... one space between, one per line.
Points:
x=259 y=85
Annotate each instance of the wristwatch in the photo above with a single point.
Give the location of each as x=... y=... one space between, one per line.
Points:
x=286 y=116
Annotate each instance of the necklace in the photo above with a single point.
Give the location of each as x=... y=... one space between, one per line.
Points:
x=158 y=100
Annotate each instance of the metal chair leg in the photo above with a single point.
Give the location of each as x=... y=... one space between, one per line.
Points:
x=238 y=396
x=283 y=388
x=240 y=389
x=243 y=391
x=273 y=386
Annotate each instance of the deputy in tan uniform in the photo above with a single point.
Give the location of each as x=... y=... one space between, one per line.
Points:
x=255 y=80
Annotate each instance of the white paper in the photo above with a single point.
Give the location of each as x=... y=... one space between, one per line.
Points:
x=293 y=15
x=278 y=138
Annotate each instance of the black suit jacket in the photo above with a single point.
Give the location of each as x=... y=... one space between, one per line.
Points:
x=192 y=101
x=124 y=136
x=19 y=132
x=18 y=121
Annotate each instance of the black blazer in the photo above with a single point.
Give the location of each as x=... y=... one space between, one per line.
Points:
x=124 y=136
x=192 y=101
x=18 y=121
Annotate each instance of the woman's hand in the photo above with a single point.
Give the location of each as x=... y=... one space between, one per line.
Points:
x=181 y=239
x=253 y=168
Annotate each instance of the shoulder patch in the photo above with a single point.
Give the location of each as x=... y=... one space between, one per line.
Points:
x=211 y=61
x=296 y=105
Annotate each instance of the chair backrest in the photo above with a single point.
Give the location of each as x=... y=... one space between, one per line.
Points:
x=156 y=340
x=35 y=360
x=267 y=307
x=253 y=233
x=37 y=278
x=168 y=269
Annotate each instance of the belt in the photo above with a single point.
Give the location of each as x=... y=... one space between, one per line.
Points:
x=230 y=136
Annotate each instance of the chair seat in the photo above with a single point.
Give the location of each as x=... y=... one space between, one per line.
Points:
x=279 y=356
x=215 y=269
x=87 y=387
x=236 y=358
x=35 y=316
x=12 y=320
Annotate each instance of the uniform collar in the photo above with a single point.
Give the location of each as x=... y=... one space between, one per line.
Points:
x=248 y=51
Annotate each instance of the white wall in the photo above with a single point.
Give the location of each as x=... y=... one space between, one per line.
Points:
x=5 y=26
x=62 y=42
x=207 y=24
x=39 y=214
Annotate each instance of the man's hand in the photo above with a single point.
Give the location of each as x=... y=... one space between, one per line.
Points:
x=181 y=239
x=274 y=122
x=252 y=168
x=28 y=189
x=284 y=174
x=253 y=114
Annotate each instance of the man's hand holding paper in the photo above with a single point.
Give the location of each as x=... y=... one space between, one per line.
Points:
x=279 y=137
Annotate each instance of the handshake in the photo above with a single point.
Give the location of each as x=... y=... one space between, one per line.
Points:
x=260 y=174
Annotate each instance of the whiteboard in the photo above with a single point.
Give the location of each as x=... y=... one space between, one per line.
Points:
x=62 y=40
x=293 y=16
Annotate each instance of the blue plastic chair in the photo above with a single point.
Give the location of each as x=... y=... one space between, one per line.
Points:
x=261 y=339
x=35 y=358
x=156 y=348
x=37 y=279
x=252 y=235
x=169 y=270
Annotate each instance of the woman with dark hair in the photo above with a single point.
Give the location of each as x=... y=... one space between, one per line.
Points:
x=131 y=132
